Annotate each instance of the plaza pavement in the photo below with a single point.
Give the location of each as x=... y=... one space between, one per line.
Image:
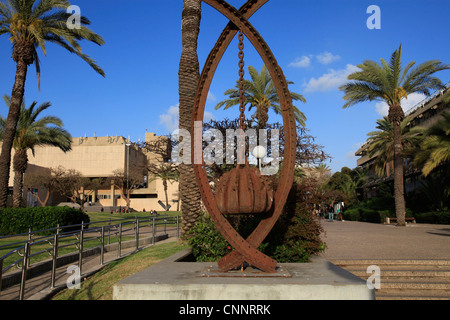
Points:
x=348 y=240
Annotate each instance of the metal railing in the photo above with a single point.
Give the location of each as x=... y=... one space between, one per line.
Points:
x=99 y=233
x=422 y=103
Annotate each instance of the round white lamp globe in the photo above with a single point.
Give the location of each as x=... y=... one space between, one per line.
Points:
x=259 y=152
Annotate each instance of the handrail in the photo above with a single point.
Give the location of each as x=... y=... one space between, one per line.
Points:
x=81 y=236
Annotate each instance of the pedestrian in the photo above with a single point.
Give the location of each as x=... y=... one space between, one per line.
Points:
x=330 y=213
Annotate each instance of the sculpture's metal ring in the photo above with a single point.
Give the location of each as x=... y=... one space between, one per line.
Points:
x=245 y=249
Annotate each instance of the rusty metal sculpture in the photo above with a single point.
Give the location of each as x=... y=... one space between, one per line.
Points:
x=246 y=249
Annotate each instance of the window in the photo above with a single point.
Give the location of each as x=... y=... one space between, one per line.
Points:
x=143 y=196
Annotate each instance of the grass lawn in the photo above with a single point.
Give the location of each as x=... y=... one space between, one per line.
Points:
x=99 y=218
x=100 y=285
x=105 y=216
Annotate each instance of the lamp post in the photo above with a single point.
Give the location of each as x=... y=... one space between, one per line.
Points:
x=128 y=144
x=259 y=153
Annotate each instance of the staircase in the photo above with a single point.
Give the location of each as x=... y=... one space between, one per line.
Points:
x=405 y=279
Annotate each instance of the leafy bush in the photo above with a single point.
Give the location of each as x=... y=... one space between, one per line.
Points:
x=294 y=238
x=351 y=214
x=433 y=217
x=208 y=245
x=19 y=220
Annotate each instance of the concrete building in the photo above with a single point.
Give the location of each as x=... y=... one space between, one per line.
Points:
x=99 y=157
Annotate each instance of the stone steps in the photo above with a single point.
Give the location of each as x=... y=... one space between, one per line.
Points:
x=405 y=279
x=402 y=294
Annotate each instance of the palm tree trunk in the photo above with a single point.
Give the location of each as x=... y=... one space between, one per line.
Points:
x=189 y=75
x=20 y=164
x=165 y=193
x=399 y=196
x=262 y=114
x=396 y=116
x=10 y=129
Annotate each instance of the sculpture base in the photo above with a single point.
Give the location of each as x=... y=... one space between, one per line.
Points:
x=248 y=272
x=174 y=280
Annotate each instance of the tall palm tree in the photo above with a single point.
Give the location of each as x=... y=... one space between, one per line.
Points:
x=260 y=93
x=33 y=132
x=167 y=173
x=31 y=25
x=189 y=74
x=391 y=83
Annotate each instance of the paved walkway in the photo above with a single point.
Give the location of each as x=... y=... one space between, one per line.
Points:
x=38 y=288
x=359 y=240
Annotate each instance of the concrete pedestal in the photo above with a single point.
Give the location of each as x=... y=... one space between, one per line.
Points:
x=174 y=280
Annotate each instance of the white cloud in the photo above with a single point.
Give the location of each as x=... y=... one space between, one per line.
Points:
x=208 y=116
x=302 y=62
x=323 y=58
x=171 y=119
x=351 y=154
x=211 y=98
x=407 y=104
x=327 y=57
x=331 y=80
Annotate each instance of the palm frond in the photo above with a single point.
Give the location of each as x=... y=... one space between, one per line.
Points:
x=387 y=81
x=43 y=21
x=260 y=92
x=420 y=78
x=32 y=132
x=357 y=92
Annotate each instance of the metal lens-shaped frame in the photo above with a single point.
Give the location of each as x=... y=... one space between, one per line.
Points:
x=246 y=249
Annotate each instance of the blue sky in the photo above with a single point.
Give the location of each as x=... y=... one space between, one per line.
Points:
x=317 y=43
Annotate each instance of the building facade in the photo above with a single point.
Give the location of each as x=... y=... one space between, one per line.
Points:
x=101 y=158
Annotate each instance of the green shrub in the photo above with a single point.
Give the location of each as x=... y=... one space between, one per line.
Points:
x=207 y=242
x=19 y=220
x=369 y=215
x=374 y=210
x=351 y=214
x=433 y=217
x=294 y=238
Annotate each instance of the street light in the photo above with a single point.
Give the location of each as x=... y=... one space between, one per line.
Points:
x=259 y=153
x=128 y=144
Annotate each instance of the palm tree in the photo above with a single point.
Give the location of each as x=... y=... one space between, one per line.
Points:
x=33 y=132
x=390 y=83
x=167 y=172
x=189 y=74
x=32 y=24
x=260 y=93
x=323 y=173
x=435 y=148
x=382 y=144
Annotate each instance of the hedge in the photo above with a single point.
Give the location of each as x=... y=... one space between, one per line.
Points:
x=370 y=215
x=433 y=217
x=19 y=220
x=366 y=215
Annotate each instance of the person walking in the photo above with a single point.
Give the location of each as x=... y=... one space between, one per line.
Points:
x=330 y=213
